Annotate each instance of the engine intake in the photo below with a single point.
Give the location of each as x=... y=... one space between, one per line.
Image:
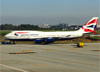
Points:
x=48 y=40
x=38 y=41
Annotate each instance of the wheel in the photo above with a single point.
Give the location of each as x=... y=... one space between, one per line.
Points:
x=9 y=42
x=2 y=42
x=14 y=42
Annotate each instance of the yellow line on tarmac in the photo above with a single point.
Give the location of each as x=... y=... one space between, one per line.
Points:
x=74 y=49
x=49 y=49
x=26 y=50
x=41 y=65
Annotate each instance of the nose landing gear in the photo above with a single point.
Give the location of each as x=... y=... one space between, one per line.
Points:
x=8 y=42
x=5 y=42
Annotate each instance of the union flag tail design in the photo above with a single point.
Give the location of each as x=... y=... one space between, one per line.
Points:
x=90 y=25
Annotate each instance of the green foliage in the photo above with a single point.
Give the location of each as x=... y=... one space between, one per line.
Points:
x=19 y=27
x=95 y=38
x=27 y=27
x=97 y=32
x=2 y=33
x=6 y=27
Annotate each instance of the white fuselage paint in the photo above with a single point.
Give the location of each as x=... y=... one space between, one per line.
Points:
x=40 y=34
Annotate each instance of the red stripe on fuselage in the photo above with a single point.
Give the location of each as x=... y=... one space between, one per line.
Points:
x=20 y=32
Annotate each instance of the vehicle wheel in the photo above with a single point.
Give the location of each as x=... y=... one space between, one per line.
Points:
x=2 y=42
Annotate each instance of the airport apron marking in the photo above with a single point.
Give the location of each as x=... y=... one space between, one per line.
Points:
x=13 y=68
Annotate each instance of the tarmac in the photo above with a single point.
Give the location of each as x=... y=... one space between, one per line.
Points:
x=50 y=58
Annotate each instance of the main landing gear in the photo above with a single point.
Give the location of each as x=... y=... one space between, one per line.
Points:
x=14 y=42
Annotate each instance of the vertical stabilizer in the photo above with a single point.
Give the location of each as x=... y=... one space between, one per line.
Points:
x=89 y=26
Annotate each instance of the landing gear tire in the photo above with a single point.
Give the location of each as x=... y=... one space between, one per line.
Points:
x=80 y=44
x=14 y=42
x=5 y=42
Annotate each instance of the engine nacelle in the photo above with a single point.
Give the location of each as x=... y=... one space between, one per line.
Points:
x=38 y=41
x=49 y=40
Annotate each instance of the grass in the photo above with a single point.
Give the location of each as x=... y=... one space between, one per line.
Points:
x=95 y=38
x=4 y=32
x=97 y=32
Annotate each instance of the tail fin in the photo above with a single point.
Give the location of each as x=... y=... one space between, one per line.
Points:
x=90 y=25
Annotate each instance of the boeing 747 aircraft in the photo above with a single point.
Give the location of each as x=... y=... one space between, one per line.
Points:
x=48 y=37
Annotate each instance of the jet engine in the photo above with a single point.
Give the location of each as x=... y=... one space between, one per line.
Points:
x=38 y=41
x=43 y=41
x=49 y=40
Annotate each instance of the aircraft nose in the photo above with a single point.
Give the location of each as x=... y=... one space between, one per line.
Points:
x=6 y=36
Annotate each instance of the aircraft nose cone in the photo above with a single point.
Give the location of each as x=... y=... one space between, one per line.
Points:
x=6 y=37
